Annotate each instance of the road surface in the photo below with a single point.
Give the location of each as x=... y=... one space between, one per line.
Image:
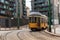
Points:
x=26 y=34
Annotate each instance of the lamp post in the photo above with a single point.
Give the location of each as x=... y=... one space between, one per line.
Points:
x=18 y=15
x=58 y=13
x=49 y=16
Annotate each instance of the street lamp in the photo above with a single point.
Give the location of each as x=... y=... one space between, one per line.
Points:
x=18 y=15
x=49 y=16
x=58 y=12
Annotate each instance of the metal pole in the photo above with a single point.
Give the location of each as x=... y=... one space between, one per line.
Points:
x=58 y=14
x=53 y=20
x=18 y=15
x=49 y=16
x=18 y=23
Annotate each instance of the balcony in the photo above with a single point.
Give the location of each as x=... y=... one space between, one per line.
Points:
x=6 y=15
x=44 y=9
x=42 y=5
x=1 y=1
x=39 y=2
x=12 y=5
x=11 y=9
x=6 y=2
x=3 y=7
x=11 y=1
x=23 y=2
x=2 y=12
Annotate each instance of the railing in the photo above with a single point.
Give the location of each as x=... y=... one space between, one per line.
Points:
x=42 y=5
x=11 y=24
x=39 y=2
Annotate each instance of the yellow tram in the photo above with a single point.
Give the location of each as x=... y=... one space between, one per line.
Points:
x=37 y=21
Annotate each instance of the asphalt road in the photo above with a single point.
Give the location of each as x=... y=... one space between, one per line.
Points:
x=26 y=34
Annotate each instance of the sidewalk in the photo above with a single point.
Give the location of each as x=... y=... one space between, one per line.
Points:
x=6 y=30
x=55 y=30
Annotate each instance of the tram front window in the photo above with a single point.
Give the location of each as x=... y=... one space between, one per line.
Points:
x=32 y=19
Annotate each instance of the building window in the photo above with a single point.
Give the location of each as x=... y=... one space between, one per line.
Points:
x=35 y=0
x=6 y=2
x=2 y=1
x=0 y=6
x=43 y=4
x=11 y=9
x=4 y=6
x=2 y=11
x=35 y=4
x=14 y=4
x=7 y=7
x=10 y=0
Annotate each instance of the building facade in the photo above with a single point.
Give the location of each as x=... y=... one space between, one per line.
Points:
x=7 y=10
x=20 y=5
x=7 y=7
x=40 y=6
x=57 y=10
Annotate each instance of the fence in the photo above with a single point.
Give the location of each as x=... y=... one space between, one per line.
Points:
x=11 y=24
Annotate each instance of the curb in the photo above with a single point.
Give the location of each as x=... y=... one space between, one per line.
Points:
x=52 y=33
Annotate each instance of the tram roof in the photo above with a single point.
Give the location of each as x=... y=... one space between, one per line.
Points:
x=35 y=14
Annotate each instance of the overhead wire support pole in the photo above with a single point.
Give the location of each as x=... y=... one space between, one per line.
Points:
x=49 y=16
x=18 y=15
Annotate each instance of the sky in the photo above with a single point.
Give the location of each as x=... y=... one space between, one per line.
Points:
x=28 y=3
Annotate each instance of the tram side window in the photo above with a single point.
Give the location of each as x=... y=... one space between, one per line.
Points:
x=33 y=19
x=30 y=19
x=38 y=19
x=42 y=20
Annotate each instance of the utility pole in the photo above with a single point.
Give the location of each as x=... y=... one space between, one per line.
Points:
x=49 y=16
x=58 y=12
x=18 y=15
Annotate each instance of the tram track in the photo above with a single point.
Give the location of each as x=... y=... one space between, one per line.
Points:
x=43 y=36
x=26 y=36
x=36 y=36
x=5 y=36
x=11 y=36
x=50 y=36
x=19 y=36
